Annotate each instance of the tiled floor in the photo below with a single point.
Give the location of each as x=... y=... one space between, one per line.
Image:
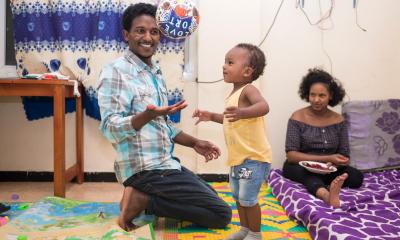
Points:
x=34 y=191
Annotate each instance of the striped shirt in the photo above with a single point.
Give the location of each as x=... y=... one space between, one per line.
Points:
x=127 y=85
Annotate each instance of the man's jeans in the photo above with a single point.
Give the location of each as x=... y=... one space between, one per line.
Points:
x=182 y=195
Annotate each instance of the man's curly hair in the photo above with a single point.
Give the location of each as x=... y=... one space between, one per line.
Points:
x=256 y=59
x=136 y=10
x=316 y=75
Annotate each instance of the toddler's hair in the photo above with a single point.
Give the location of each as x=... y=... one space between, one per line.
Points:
x=256 y=59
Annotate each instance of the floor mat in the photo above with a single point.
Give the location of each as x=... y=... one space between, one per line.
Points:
x=16 y=208
x=58 y=218
x=274 y=223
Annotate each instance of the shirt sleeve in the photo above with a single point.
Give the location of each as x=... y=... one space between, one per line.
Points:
x=174 y=130
x=292 y=137
x=114 y=102
x=344 y=148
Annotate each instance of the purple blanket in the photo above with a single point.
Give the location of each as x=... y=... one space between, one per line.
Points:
x=370 y=212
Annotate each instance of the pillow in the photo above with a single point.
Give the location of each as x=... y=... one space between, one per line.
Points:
x=374 y=133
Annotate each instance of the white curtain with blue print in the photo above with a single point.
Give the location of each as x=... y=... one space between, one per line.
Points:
x=76 y=38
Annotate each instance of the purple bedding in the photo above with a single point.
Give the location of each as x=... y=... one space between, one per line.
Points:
x=370 y=212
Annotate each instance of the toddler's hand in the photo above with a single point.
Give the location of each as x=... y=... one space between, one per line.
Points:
x=233 y=114
x=203 y=116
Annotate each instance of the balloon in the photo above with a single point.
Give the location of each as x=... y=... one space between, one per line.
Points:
x=177 y=19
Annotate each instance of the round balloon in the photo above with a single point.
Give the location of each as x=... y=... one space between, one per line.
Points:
x=177 y=19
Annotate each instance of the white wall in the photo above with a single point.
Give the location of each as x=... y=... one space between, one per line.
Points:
x=366 y=62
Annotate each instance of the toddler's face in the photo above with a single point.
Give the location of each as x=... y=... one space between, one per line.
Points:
x=236 y=62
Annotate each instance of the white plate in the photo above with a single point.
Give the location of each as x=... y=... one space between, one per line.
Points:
x=323 y=170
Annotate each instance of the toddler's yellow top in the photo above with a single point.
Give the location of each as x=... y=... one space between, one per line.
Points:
x=245 y=138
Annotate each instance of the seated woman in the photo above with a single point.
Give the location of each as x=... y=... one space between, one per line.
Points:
x=316 y=133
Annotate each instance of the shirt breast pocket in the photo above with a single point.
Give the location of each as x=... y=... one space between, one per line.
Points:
x=163 y=96
x=142 y=98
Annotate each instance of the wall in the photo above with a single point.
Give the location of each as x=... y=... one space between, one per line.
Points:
x=366 y=63
x=28 y=145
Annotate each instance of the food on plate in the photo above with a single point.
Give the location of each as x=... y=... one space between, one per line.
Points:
x=321 y=166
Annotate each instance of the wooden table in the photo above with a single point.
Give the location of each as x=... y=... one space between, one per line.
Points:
x=59 y=90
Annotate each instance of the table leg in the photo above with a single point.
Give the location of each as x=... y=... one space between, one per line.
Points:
x=79 y=137
x=59 y=141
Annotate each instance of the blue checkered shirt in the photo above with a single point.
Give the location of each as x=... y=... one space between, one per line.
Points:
x=127 y=85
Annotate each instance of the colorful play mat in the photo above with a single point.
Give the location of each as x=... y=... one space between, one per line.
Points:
x=58 y=218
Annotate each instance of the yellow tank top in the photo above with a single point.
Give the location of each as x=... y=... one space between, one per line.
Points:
x=245 y=138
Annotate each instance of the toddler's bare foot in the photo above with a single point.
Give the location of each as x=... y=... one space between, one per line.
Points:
x=334 y=190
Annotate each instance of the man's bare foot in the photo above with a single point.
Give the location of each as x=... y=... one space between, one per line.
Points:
x=133 y=202
x=125 y=224
x=334 y=190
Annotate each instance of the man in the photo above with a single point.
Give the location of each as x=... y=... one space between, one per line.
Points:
x=134 y=107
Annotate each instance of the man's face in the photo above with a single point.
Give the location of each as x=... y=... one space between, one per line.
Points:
x=143 y=37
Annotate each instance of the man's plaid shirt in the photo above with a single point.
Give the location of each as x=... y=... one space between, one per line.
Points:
x=127 y=86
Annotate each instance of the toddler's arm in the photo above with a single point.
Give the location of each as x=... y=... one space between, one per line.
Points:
x=257 y=106
x=204 y=116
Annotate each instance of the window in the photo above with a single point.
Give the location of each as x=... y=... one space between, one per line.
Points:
x=10 y=51
x=7 y=54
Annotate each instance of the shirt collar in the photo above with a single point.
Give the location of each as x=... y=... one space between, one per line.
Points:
x=132 y=58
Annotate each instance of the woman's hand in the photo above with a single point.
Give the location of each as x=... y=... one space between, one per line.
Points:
x=207 y=149
x=339 y=160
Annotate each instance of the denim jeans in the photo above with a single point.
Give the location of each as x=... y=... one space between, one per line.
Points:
x=246 y=179
x=182 y=195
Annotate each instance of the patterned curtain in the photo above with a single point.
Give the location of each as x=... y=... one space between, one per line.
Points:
x=76 y=38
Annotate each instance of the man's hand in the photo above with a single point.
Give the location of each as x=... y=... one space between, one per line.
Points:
x=233 y=114
x=203 y=116
x=161 y=111
x=207 y=149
